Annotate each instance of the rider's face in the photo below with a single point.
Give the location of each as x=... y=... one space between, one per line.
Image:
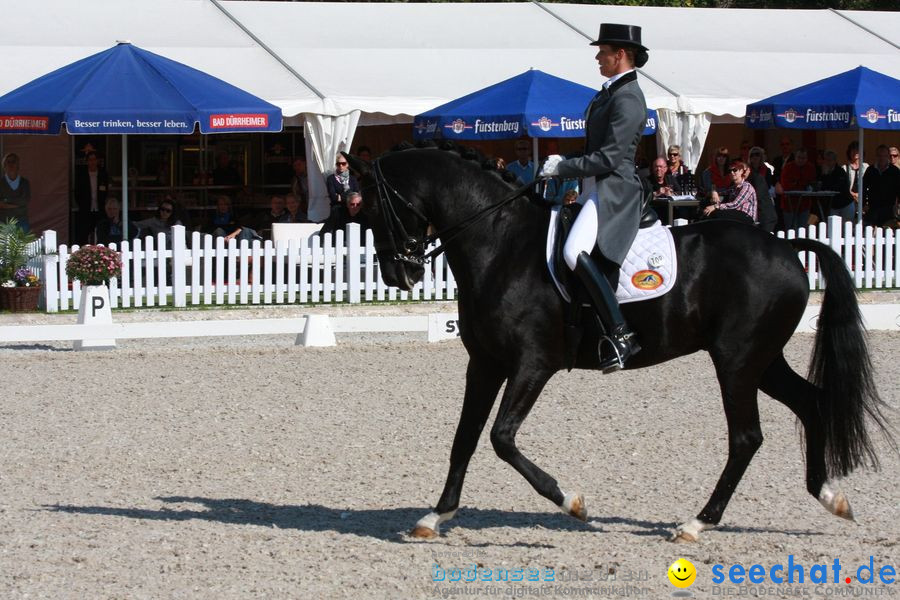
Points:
x=609 y=59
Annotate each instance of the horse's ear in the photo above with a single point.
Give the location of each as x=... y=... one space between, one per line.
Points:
x=358 y=165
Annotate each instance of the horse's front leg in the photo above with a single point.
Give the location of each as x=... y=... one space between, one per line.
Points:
x=522 y=390
x=483 y=381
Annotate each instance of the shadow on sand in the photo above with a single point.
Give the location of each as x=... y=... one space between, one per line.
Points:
x=389 y=524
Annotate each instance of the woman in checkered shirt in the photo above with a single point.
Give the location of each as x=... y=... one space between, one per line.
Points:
x=739 y=201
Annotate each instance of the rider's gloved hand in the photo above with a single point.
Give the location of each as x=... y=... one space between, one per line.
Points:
x=550 y=167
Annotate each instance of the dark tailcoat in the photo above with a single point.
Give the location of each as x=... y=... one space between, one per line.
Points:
x=615 y=123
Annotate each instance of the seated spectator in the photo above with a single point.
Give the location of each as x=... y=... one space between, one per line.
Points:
x=881 y=189
x=15 y=192
x=760 y=177
x=295 y=210
x=276 y=213
x=745 y=151
x=797 y=175
x=556 y=189
x=662 y=182
x=350 y=212
x=895 y=156
x=677 y=168
x=225 y=172
x=571 y=197
x=300 y=181
x=739 y=200
x=716 y=177
x=853 y=170
x=834 y=179
x=222 y=221
x=365 y=153
x=522 y=167
x=340 y=183
x=109 y=229
x=160 y=223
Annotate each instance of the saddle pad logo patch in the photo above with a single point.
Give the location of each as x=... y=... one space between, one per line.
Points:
x=646 y=280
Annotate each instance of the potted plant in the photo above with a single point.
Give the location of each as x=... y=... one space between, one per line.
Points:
x=94 y=266
x=20 y=288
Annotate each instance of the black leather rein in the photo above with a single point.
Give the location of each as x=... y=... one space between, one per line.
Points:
x=409 y=248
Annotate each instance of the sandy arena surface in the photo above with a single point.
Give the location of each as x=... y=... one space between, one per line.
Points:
x=253 y=468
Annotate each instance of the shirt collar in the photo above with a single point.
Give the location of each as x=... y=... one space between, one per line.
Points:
x=616 y=77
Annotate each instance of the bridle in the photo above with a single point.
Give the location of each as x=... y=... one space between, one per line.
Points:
x=406 y=248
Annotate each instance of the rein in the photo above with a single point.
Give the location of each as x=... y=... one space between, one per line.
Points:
x=410 y=245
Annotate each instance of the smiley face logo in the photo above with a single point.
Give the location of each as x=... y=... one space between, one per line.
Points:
x=682 y=573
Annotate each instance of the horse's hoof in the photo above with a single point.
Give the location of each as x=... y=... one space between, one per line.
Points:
x=423 y=533
x=683 y=537
x=574 y=506
x=835 y=501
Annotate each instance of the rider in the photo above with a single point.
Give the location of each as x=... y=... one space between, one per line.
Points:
x=612 y=190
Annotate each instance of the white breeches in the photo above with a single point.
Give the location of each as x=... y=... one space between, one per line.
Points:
x=583 y=235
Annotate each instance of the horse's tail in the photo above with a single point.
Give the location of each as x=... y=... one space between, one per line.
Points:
x=842 y=370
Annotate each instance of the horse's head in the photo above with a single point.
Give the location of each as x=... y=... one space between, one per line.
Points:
x=399 y=224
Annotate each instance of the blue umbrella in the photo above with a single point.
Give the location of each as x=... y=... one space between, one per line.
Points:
x=858 y=99
x=126 y=90
x=533 y=103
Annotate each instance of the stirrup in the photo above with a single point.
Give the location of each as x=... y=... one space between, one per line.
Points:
x=623 y=347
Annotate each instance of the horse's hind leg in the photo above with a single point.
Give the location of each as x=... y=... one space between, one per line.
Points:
x=483 y=381
x=522 y=390
x=799 y=395
x=744 y=439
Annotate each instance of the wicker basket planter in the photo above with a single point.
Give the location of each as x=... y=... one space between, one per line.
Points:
x=20 y=299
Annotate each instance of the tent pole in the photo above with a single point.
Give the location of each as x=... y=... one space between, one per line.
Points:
x=859 y=179
x=124 y=186
x=534 y=153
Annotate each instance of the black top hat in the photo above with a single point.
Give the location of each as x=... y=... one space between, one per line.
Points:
x=615 y=34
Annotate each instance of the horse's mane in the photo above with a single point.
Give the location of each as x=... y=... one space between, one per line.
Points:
x=487 y=163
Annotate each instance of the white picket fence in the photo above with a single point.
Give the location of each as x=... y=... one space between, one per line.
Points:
x=343 y=268
x=322 y=269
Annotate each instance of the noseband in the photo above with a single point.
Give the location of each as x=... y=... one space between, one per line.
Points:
x=406 y=248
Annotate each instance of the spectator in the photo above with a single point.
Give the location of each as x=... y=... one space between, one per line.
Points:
x=853 y=170
x=881 y=189
x=745 y=151
x=222 y=221
x=662 y=182
x=739 y=200
x=556 y=189
x=300 y=182
x=296 y=210
x=834 y=179
x=340 y=183
x=15 y=192
x=895 y=156
x=522 y=166
x=674 y=160
x=571 y=197
x=109 y=229
x=716 y=178
x=91 y=184
x=160 y=223
x=276 y=213
x=350 y=212
x=787 y=155
x=365 y=153
x=225 y=172
x=797 y=175
x=760 y=177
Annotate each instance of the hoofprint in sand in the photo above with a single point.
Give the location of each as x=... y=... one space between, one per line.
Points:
x=248 y=467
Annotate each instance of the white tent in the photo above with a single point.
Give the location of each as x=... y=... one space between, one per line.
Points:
x=332 y=66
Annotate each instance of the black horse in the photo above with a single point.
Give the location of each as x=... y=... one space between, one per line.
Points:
x=739 y=296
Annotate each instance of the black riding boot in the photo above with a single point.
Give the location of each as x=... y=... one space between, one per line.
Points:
x=619 y=336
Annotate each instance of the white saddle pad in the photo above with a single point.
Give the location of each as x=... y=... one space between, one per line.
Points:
x=649 y=270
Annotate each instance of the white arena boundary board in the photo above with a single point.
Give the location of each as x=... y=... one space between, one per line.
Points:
x=438 y=326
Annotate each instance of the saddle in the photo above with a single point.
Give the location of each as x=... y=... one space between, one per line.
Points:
x=564 y=221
